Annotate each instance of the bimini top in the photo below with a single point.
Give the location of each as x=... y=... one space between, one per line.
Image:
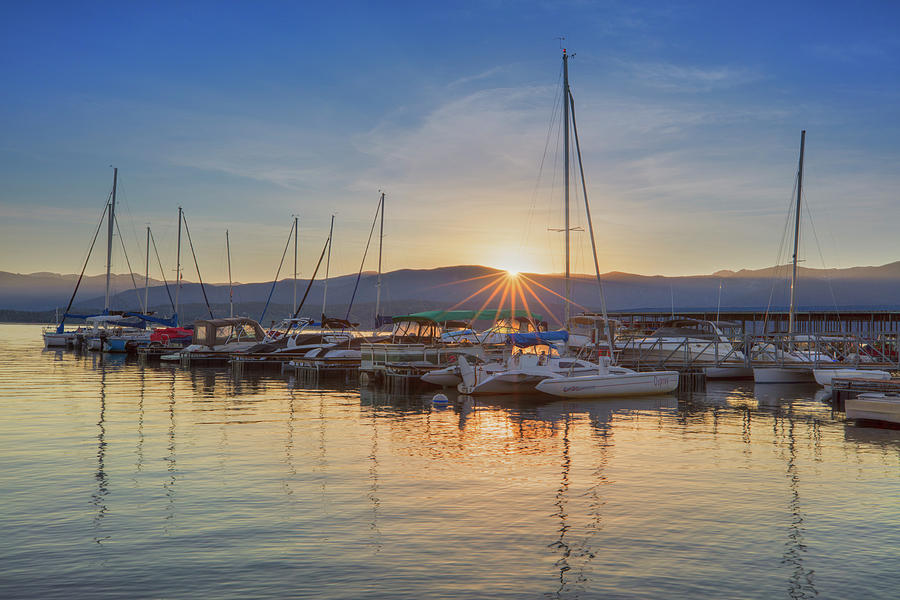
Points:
x=215 y=332
x=537 y=338
x=442 y=316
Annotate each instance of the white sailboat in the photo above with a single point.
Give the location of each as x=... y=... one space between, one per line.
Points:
x=610 y=381
x=58 y=336
x=530 y=359
x=796 y=364
x=607 y=380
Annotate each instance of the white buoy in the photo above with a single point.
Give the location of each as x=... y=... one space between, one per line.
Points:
x=439 y=399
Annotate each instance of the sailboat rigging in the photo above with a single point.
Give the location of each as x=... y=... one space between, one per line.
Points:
x=797 y=365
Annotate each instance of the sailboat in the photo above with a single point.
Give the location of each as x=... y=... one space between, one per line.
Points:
x=540 y=371
x=103 y=325
x=796 y=364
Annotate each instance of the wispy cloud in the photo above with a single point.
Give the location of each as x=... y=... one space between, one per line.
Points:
x=477 y=77
x=687 y=78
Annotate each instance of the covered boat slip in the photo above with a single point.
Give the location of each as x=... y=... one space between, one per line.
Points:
x=729 y=346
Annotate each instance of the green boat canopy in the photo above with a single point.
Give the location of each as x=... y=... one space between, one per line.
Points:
x=488 y=314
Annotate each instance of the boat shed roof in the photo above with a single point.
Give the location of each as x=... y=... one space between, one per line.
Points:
x=442 y=316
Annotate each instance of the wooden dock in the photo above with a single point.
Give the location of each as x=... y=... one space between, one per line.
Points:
x=841 y=389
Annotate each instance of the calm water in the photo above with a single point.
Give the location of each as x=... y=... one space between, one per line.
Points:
x=120 y=480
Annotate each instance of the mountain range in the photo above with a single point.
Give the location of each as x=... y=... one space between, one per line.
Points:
x=410 y=290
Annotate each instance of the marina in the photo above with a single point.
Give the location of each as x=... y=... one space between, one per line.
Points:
x=742 y=479
x=480 y=300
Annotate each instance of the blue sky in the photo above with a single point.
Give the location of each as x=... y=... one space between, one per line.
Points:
x=247 y=113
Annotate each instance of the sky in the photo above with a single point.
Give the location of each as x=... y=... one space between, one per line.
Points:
x=247 y=113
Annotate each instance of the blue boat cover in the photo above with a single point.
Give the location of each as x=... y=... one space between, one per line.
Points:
x=172 y=322
x=537 y=338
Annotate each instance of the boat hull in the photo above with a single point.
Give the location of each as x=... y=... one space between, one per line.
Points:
x=505 y=383
x=873 y=407
x=448 y=377
x=56 y=340
x=611 y=386
x=780 y=375
x=728 y=372
x=824 y=376
x=680 y=351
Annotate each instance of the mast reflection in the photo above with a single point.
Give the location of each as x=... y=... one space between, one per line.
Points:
x=169 y=485
x=372 y=494
x=98 y=498
x=561 y=545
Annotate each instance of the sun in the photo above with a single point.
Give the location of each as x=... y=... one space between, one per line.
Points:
x=511 y=273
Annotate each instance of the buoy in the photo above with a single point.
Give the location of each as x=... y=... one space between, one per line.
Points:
x=439 y=398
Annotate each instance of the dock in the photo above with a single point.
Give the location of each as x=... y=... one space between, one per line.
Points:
x=841 y=389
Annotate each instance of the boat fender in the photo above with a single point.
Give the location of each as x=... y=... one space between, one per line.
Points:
x=439 y=399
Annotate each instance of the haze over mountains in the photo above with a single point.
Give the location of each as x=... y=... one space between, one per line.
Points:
x=408 y=290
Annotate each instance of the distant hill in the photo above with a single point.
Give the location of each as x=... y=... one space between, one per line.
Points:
x=409 y=290
x=46 y=291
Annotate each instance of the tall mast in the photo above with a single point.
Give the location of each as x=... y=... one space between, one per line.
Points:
x=327 y=267
x=566 y=167
x=147 y=275
x=378 y=281
x=587 y=211
x=109 y=235
x=296 y=231
x=178 y=267
x=230 y=286
x=796 y=233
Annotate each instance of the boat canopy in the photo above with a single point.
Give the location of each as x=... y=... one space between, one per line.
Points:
x=173 y=322
x=103 y=319
x=441 y=316
x=537 y=338
x=215 y=332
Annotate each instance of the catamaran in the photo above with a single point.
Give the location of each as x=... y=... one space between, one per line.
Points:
x=604 y=379
x=530 y=358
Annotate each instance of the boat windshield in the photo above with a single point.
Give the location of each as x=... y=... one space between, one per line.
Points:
x=688 y=329
x=415 y=329
x=539 y=349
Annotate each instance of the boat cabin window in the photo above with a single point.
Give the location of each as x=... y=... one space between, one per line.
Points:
x=513 y=326
x=538 y=349
x=414 y=329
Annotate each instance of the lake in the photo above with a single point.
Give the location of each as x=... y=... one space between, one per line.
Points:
x=123 y=480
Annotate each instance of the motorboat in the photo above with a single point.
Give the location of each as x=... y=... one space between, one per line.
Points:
x=687 y=341
x=878 y=407
x=825 y=376
x=610 y=382
x=218 y=338
x=795 y=361
x=123 y=343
